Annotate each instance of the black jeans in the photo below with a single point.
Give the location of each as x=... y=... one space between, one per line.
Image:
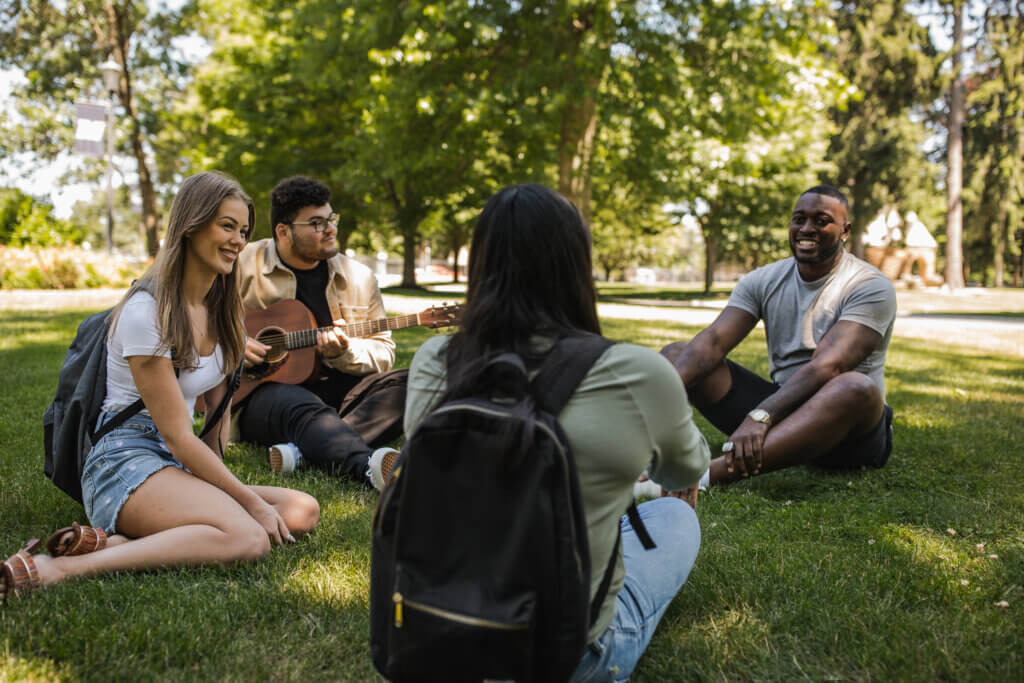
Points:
x=336 y=427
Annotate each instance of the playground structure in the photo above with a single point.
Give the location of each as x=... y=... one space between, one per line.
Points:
x=902 y=248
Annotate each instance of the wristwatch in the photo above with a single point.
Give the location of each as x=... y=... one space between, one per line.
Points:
x=760 y=415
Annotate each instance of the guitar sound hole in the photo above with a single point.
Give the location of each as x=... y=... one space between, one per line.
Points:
x=276 y=355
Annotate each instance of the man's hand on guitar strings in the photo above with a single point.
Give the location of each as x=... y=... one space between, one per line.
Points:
x=331 y=343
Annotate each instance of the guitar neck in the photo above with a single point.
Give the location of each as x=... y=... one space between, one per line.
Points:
x=301 y=339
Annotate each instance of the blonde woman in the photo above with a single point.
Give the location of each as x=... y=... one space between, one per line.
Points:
x=155 y=494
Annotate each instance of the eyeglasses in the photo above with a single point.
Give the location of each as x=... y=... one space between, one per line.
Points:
x=319 y=224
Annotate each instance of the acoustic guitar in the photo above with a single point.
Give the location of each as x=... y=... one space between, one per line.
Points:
x=289 y=329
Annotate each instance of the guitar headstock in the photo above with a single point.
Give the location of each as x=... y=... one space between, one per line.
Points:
x=441 y=316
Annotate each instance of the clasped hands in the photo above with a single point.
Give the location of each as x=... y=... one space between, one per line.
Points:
x=744 y=451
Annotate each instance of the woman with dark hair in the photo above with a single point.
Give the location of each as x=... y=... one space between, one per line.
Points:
x=530 y=284
x=156 y=495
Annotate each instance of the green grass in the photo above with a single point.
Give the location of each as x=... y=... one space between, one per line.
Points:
x=654 y=295
x=802 y=574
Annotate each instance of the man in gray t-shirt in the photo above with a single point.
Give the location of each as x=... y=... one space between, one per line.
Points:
x=828 y=318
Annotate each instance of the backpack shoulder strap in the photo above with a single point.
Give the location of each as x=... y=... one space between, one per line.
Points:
x=606 y=581
x=117 y=420
x=565 y=367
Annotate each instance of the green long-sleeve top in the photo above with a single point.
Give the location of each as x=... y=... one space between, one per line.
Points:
x=630 y=413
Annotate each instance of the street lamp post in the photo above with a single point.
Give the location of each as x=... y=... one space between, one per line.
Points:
x=111 y=80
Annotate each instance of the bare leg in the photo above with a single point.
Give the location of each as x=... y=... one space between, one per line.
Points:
x=175 y=519
x=848 y=404
x=299 y=510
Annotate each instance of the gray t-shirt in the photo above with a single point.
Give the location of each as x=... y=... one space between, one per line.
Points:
x=798 y=314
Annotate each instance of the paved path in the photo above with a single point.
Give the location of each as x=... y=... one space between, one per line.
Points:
x=989 y=333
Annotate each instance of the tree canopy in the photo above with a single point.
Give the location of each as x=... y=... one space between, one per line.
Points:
x=415 y=111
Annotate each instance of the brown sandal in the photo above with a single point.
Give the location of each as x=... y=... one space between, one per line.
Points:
x=76 y=540
x=18 y=574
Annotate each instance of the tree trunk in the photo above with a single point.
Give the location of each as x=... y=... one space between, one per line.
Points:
x=409 y=246
x=586 y=57
x=456 y=248
x=710 y=247
x=1002 y=232
x=954 y=176
x=576 y=149
x=346 y=228
x=119 y=39
x=408 y=214
x=1018 y=274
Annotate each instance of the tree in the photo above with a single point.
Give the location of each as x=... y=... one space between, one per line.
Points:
x=889 y=60
x=994 y=141
x=27 y=221
x=59 y=46
x=390 y=104
x=955 y=157
x=759 y=97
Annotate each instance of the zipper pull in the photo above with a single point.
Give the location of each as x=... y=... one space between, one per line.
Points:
x=397 y=598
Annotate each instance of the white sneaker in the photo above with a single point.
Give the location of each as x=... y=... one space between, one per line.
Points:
x=284 y=458
x=382 y=462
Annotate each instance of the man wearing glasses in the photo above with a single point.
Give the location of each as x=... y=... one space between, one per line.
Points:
x=333 y=421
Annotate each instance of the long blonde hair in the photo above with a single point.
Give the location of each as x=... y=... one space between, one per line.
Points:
x=195 y=207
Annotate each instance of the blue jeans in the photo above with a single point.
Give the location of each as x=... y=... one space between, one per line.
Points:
x=653 y=577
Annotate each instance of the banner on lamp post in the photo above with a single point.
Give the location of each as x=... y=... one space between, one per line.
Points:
x=90 y=127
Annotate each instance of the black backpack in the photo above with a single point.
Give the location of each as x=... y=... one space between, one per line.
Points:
x=480 y=566
x=69 y=423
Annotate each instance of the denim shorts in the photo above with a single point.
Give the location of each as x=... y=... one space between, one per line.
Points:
x=118 y=464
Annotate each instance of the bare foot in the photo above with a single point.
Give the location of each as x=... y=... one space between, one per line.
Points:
x=49 y=571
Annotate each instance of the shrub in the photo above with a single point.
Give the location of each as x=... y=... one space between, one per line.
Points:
x=64 y=268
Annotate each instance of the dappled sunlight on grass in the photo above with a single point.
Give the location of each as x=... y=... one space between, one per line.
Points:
x=32 y=669
x=963 y=566
x=734 y=631
x=336 y=578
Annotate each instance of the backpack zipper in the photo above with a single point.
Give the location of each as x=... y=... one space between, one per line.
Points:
x=400 y=601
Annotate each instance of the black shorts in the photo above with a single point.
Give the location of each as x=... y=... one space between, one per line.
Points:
x=749 y=389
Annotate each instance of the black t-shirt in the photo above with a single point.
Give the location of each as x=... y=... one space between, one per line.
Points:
x=310 y=289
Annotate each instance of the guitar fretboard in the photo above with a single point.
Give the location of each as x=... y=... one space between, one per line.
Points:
x=301 y=339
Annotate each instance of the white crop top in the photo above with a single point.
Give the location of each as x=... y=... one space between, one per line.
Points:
x=138 y=334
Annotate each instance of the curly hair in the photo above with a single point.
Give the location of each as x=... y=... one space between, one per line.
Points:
x=293 y=194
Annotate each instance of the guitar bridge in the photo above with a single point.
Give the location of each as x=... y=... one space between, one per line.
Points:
x=258 y=372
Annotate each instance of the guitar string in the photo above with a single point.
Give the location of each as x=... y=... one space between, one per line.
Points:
x=352 y=329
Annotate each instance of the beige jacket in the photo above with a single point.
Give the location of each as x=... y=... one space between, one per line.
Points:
x=352 y=296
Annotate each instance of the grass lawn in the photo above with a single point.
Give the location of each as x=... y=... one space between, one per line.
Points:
x=896 y=574
x=970 y=301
